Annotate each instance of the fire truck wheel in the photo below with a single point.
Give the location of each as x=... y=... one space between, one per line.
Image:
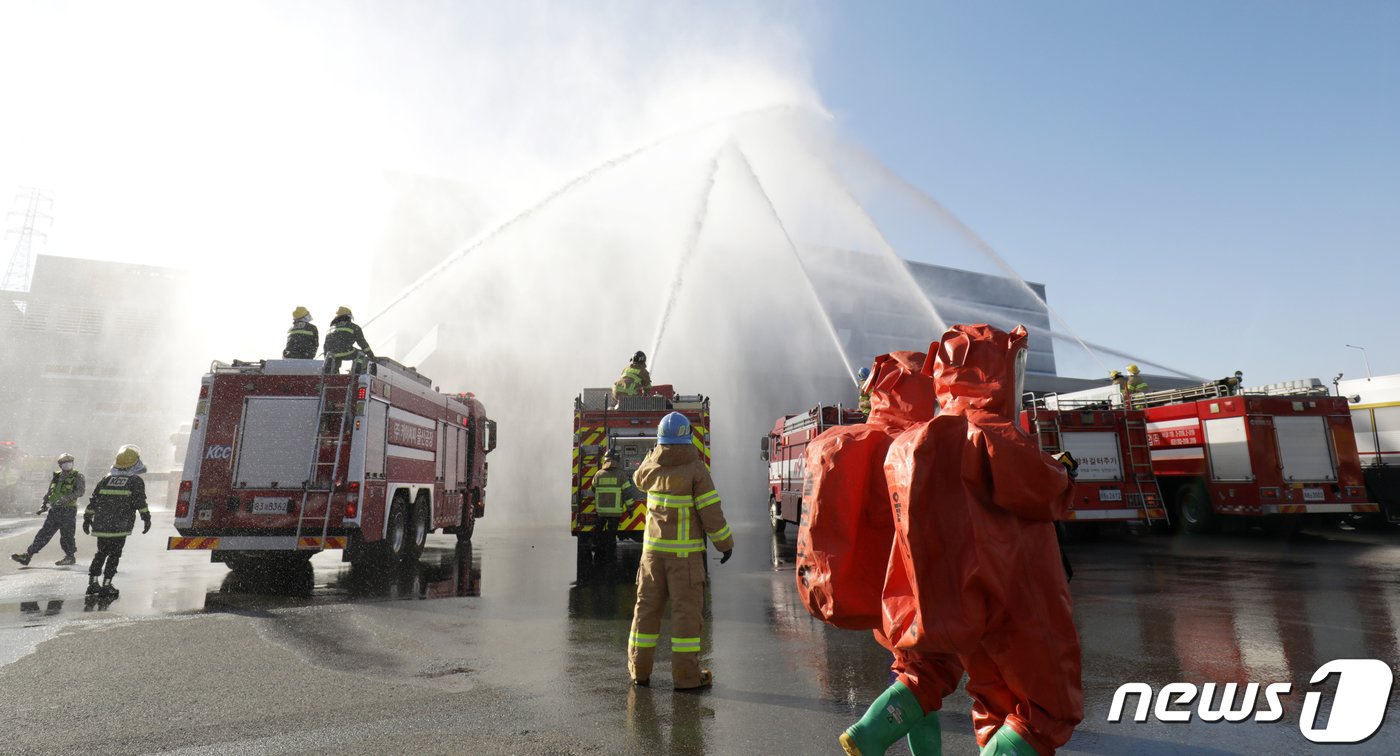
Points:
x=1193 y=505
x=775 y=517
x=418 y=527
x=395 y=542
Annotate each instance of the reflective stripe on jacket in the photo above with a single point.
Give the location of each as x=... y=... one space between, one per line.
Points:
x=302 y=341
x=608 y=486
x=343 y=338
x=115 y=501
x=635 y=380
x=683 y=506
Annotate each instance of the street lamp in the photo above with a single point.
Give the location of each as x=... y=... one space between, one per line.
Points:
x=1364 y=357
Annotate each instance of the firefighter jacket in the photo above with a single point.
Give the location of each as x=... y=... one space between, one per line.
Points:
x=610 y=491
x=302 y=340
x=682 y=503
x=117 y=498
x=343 y=338
x=65 y=489
x=635 y=380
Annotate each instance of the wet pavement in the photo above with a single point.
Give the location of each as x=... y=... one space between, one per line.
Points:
x=511 y=645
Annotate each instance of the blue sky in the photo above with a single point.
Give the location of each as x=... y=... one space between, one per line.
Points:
x=1212 y=185
x=1216 y=184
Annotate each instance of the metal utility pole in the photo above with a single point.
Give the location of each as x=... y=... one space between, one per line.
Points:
x=1363 y=356
x=21 y=265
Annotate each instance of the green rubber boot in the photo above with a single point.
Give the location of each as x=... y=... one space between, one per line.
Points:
x=888 y=719
x=926 y=739
x=1008 y=742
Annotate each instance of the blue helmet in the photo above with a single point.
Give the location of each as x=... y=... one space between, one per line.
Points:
x=862 y=374
x=674 y=429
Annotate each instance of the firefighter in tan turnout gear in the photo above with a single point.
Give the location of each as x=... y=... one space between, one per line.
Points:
x=682 y=510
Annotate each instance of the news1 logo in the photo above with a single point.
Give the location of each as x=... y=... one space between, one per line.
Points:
x=1358 y=708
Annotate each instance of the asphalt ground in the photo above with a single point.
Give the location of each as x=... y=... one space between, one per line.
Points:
x=511 y=645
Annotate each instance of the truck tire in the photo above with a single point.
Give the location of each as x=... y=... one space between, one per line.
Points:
x=419 y=523
x=775 y=517
x=395 y=543
x=1193 y=506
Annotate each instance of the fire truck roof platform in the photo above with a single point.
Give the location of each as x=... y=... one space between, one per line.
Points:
x=601 y=400
x=391 y=372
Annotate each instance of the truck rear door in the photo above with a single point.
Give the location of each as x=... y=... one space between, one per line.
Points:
x=1303 y=448
x=275 y=442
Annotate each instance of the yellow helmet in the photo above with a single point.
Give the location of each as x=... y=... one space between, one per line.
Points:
x=1114 y=375
x=1133 y=369
x=343 y=311
x=127 y=456
x=300 y=313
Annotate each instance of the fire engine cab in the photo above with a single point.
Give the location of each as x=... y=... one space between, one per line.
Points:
x=627 y=425
x=1115 y=482
x=285 y=461
x=1277 y=452
x=785 y=451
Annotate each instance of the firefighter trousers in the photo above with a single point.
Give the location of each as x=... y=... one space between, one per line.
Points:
x=682 y=580
x=60 y=520
x=109 y=553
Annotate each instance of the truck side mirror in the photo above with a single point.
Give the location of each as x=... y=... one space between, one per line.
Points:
x=764 y=456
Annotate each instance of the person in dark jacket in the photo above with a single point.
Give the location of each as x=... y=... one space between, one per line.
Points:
x=344 y=339
x=302 y=337
x=111 y=514
x=61 y=503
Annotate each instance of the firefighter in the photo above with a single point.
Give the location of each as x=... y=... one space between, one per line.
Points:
x=611 y=493
x=863 y=398
x=1135 y=386
x=302 y=337
x=110 y=515
x=635 y=379
x=61 y=503
x=987 y=573
x=683 y=509
x=342 y=341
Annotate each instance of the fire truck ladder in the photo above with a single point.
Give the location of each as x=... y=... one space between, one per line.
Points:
x=1140 y=466
x=328 y=416
x=1047 y=432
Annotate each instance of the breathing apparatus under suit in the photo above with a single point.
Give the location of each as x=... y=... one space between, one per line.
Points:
x=974 y=580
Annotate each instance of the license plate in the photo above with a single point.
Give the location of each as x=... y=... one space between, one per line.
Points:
x=1110 y=494
x=1313 y=494
x=269 y=505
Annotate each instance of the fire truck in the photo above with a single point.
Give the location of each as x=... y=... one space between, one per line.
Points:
x=785 y=451
x=1115 y=481
x=285 y=461
x=627 y=426
x=1279 y=452
x=1375 y=416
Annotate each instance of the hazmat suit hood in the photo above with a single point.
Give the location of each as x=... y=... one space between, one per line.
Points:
x=981 y=368
x=901 y=389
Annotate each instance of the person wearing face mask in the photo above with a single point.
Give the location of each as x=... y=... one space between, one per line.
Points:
x=61 y=504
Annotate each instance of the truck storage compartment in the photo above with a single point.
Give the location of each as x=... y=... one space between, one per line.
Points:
x=275 y=443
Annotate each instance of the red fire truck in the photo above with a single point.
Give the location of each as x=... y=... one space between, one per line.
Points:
x=627 y=426
x=1115 y=482
x=1279 y=452
x=285 y=461
x=785 y=451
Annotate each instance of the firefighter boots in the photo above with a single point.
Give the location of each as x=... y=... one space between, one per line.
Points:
x=108 y=590
x=21 y=558
x=888 y=719
x=1008 y=742
x=93 y=588
x=926 y=739
x=67 y=560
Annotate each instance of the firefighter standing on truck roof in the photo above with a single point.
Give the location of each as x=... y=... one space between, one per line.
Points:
x=61 y=502
x=1136 y=386
x=111 y=514
x=342 y=339
x=302 y=338
x=682 y=509
x=635 y=379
